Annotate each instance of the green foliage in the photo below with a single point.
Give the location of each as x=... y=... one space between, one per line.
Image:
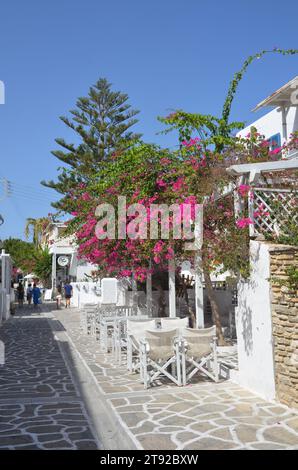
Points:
x=43 y=265
x=22 y=253
x=36 y=228
x=29 y=259
x=238 y=77
x=102 y=122
x=292 y=272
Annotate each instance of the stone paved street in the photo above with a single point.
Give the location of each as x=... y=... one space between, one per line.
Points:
x=201 y=416
x=57 y=390
x=40 y=407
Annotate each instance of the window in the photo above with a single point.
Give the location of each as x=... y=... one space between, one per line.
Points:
x=274 y=141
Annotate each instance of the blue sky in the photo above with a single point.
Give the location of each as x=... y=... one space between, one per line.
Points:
x=165 y=54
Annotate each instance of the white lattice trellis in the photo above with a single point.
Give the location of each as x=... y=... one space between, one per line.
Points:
x=270 y=208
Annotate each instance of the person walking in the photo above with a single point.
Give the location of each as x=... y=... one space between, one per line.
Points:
x=68 y=293
x=36 y=294
x=29 y=294
x=20 y=294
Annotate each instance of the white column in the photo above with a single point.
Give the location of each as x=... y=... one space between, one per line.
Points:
x=199 y=291
x=54 y=272
x=149 y=292
x=172 y=289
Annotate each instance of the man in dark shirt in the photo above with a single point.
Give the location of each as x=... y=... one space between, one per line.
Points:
x=68 y=293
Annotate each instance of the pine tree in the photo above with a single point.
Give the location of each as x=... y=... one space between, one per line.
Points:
x=101 y=121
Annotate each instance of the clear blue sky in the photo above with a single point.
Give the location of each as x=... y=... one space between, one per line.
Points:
x=165 y=54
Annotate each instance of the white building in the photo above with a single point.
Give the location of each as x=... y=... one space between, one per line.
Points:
x=278 y=124
x=65 y=262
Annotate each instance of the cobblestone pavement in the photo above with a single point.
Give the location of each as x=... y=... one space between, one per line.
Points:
x=200 y=416
x=40 y=407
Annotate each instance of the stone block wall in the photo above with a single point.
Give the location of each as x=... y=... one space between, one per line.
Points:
x=284 y=307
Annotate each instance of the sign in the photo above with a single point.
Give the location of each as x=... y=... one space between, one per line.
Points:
x=63 y=260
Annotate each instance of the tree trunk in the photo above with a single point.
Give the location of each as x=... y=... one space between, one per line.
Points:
x=161 y=301
x=191 y=314
x=214 y=308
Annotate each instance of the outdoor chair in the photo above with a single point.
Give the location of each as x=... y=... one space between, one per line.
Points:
x=199 y=353
x=135 y=332
x=106 y=321
x=119 y=336
x=160 y=357
x=87 y=320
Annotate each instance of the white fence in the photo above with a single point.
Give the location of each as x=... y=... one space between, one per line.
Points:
x=5 y=286
x=270 y=208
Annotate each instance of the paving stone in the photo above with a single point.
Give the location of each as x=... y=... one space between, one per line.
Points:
x=156 y=442
x=268 y=446
x=176 y=421
x=85 y=445
x=209 y=443
x=50 y=437
x=179 y=407
x=202 y=426
x=119 y=402
x=132 y=419
x=246 y=433
x=223 y=433
x=204 y=409
x=15 y=440
x=43 y=429
x=147 y=426
x=186 y=436
x=58 y=445
x=281 y=436
x=293 y=423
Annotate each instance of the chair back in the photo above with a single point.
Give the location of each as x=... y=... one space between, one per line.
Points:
x=137 y=327
x=170 y=323
x=161 y=343
x=199 y=341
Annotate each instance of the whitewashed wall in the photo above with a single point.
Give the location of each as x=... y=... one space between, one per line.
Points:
x=271 y=123
x=254 y=326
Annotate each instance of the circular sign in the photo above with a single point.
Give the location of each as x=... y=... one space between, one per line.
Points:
x=63 y=260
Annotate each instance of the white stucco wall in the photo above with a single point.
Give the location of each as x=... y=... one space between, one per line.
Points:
x=271 y=123
x=254 y=326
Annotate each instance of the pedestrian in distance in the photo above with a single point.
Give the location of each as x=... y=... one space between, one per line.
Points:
x=36 y=294
x=29 y=293
x=68 y=293
x=20 y=294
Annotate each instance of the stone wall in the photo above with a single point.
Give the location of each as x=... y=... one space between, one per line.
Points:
x=284 y=307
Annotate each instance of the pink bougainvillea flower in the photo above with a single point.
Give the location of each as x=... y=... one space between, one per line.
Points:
x=275 y=151
x=244 y=222
x=243 y=189
x=157 y=259
x=158 y=247
x=161 y=183
x=74 y=213
x=178 y=184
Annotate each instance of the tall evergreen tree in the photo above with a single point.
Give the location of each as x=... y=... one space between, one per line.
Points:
x=102 y=122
